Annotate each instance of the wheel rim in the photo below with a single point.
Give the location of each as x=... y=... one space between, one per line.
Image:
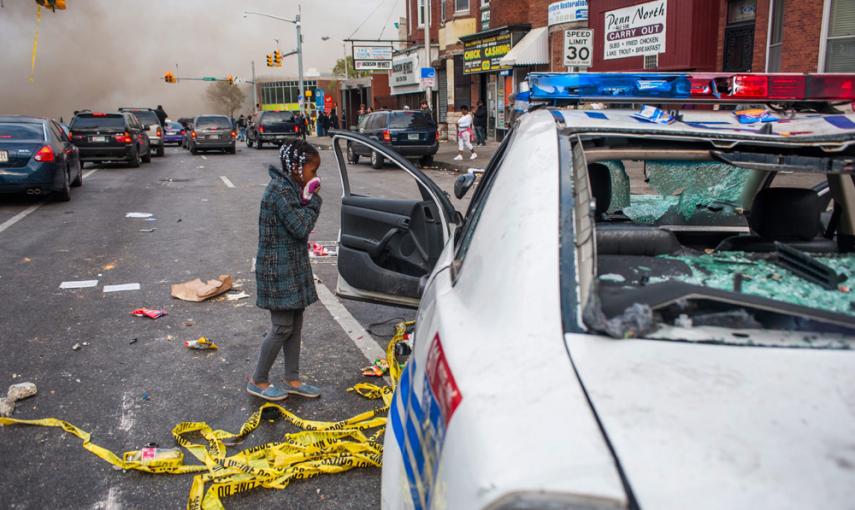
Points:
x=374 y=158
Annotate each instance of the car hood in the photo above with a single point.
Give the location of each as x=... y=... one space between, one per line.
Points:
x=722 y=426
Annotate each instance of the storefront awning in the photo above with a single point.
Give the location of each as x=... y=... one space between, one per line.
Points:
x=532 y=50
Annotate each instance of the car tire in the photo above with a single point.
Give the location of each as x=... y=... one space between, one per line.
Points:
x=134 y=159
x=77 y=182
x=352 y=156
x=426 y=161
x=64 y=195
x=193 y=149
x=147 y=157
x=160 y=151
x=258 y=144
x=376 y=160
x=248 y=142
x=231 y=150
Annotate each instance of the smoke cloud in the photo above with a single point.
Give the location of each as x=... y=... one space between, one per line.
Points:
x=103 y=54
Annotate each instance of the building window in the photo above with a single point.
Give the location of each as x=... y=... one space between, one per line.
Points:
x=840 y=43
x=776 y=30
x=461 y=5
x=421 y=13
x=442 y=10
x=740 y=11
x=651 y=61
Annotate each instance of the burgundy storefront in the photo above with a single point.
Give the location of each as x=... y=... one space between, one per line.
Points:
x=690 y=35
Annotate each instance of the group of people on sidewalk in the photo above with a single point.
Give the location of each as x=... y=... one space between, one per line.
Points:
x=471 y=130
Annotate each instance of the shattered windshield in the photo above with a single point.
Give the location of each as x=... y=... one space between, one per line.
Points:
x=702 y=246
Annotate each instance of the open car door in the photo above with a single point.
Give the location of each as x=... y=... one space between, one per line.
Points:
x=388 y=244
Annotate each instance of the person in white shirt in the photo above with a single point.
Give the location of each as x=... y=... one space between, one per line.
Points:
x=464 y=134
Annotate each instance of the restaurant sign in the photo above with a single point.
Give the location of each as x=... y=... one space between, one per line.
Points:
x=634 y=31
x=483 y=55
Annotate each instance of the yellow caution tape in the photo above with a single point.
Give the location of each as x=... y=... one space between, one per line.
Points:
x=321 y=447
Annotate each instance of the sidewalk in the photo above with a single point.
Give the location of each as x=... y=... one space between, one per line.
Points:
x=444 y=157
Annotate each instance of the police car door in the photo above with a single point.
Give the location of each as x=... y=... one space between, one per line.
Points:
x=389 y=241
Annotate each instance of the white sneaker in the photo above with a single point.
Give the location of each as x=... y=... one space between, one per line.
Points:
x=473 y=156
x=458 y=157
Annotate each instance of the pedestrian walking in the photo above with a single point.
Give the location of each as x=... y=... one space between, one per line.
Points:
x=481 y=124
x=423 y=107
x=161 y=115
x=361 y=115
x=464 y=134
x=284 y=281
x=241 y=124
x=323 y=124
x=333 y=119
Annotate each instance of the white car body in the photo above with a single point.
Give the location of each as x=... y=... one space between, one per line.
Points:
x=500 y=408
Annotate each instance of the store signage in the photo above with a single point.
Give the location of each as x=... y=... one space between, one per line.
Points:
x=404 y=71
x=578 y=47
x=634 y=31
x=483 y=55
x=372 y=57
x=568 y=11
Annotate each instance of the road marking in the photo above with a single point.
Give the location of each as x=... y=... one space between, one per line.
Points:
x=203 y=157
x=111 y=503
x=351 y=326
x=20 y=216
x=122 y=287
x=226 y=181
x=90 y=172
x=81 y=284
x=127 y=420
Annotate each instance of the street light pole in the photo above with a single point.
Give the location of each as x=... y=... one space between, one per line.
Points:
x=426 y=19
x=299 y=51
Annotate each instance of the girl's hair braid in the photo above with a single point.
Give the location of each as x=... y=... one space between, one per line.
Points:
x=295 y=154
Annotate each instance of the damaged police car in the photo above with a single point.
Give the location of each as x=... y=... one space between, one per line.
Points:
x=641 y=308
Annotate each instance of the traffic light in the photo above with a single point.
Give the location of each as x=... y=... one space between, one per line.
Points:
x=168 y=77
x=269 y=60
x=230 y=79
x=52 y=4
x=277 y=58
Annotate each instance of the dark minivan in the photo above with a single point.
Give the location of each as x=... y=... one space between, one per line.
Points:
x=271 y=127
x=105 y=137
x=212 y=132
x=410 y=133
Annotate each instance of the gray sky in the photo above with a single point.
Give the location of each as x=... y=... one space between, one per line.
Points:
x=102 y=54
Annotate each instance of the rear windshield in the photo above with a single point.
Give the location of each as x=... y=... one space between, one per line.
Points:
x=146 y=117
x=93 y=122
x=275 y=117
x=21 y=131
x=414 y=120
x=219 y=122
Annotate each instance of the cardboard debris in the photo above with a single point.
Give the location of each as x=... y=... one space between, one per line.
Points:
x=198 y=291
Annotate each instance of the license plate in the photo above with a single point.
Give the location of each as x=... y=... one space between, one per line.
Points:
x=213 y=137
x=413 y=136
x=4 y=157
x=98 y=138
x=280 y=138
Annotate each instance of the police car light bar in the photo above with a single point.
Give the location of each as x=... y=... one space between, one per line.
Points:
x=688 y=88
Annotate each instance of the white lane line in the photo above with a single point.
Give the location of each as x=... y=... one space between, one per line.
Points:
x=20 y=216
x=81 y=284
x=351 y=326
x=226 y=181
x=122 y=287
x=89 y=172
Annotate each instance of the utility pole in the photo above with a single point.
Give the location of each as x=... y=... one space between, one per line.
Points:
x=254 y=89
x=426 y=18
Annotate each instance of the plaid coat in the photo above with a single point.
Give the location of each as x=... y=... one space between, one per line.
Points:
x=282 y=272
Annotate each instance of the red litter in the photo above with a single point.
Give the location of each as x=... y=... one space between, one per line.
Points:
x=148 y=312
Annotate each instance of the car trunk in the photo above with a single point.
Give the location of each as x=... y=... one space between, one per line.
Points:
x=278 y=124
x=16 y=154
x=411 y=128
x=214 y=130
x=98 y=131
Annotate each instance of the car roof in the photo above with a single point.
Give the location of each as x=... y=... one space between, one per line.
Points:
x=135 y=109
x=22 y=118
x=212 y=115
x=831 y=131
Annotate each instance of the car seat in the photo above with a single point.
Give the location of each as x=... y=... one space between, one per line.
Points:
x=787 y=215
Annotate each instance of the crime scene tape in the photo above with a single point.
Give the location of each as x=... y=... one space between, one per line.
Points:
x=319 y=448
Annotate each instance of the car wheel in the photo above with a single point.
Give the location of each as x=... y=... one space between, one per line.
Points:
x=77 y=182
x=64 y=195
x=147 y=157
x=193 y=149
x=160 y=151
x=376 y=160
x=231 y=150
x=248 y=142
x=134 y=159
x=258 y=144
x=426 y=161
x=352 y=156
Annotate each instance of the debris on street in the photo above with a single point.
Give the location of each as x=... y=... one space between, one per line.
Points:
x=376 y=369
x=148 y=230
x=16 y=392
x=75 y=347
x=201 y=344
x=198 y=291
x=122 y=287
x=138 y=215
x=234 y=296
x=82 y=284
x=149 y=312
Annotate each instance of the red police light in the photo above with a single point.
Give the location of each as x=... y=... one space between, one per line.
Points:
x=831 y=87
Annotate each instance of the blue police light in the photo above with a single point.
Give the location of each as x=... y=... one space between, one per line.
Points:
x=609 y=86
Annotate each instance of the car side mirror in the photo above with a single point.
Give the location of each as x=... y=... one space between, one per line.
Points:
x=462 y=184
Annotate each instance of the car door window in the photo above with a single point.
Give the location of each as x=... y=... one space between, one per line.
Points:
x=57 y=131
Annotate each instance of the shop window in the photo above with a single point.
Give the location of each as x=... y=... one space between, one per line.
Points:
x=461 y=5
x=776 y=29
x=442 y=10
x=840 y=42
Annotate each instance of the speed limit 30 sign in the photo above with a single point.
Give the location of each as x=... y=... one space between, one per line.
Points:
x=578 y=47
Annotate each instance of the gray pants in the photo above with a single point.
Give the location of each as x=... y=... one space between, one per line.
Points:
x=285 y=336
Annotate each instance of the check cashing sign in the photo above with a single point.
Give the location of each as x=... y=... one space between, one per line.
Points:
x=634 y=31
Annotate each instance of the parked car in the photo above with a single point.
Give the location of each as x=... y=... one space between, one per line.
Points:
x=271 y=127
x=212 y=132
x=410 y=133
x=174 y=133
x=110 y=137
x=151 y=123
x=637 y=310
x=37 y=158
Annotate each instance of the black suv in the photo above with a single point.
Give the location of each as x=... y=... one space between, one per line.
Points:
x=271 y=127
x=410 y=133
x=103 y=137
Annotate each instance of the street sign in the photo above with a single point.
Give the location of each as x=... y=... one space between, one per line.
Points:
x=319 y=99
x=578 y=47
x=428 y=77
x=372 y=58
x=208 y=78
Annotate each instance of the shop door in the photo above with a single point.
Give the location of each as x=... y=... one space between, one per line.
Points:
x=739 y=36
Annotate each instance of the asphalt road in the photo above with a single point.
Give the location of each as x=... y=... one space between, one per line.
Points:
x=130 y=394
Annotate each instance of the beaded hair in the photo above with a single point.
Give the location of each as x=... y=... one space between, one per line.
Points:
x=295 y=154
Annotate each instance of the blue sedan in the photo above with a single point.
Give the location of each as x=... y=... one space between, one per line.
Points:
x=37 y=158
